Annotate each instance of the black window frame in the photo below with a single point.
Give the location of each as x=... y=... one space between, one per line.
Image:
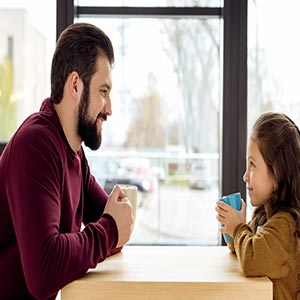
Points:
x=234 y=113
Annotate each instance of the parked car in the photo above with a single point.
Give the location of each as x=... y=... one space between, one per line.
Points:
x=200 y=175
x=109 y=172
x=139 y=169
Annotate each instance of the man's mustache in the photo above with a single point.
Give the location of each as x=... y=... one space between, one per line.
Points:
x=102 y=116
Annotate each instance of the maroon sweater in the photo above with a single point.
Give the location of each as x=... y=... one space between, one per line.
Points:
x=46 y=192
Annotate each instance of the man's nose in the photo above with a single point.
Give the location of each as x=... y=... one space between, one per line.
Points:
x=107 y=107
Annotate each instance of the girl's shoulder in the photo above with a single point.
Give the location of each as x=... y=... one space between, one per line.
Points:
x=282 y=215
x=282 y=218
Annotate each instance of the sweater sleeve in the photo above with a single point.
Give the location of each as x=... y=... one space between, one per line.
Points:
x=95 y=199
x=50 y=259
x=267 y=252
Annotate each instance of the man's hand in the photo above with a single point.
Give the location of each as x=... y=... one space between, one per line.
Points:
x=121 y=211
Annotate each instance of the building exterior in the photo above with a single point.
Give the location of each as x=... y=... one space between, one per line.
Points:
x=26 y=47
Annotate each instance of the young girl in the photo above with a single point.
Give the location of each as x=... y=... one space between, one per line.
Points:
x=269 y=244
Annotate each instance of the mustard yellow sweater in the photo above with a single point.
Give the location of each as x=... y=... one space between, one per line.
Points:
x=272 y=252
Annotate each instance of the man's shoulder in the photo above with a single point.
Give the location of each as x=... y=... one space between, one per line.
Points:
x=38 y=127
x=40 y=132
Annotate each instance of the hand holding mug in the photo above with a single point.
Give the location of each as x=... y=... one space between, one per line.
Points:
x=231 y=211
x=122 y=212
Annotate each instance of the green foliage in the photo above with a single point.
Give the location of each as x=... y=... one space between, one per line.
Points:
x=7 y=104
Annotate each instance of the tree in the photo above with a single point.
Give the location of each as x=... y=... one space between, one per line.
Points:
x=7 y=104
x=194 y=48
x=147 y=128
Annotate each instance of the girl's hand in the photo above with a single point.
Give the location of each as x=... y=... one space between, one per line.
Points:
x=230 y=217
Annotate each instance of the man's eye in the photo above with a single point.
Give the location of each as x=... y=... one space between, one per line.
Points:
x=103 y=92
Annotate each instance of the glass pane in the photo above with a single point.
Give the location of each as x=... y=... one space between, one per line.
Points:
x=27 y=41
x=164 y=132
x=149 y=3
x=273 y=58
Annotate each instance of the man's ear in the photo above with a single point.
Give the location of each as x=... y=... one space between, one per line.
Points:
x=75 y=85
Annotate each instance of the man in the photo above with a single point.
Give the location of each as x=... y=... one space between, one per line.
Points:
x=46 y=188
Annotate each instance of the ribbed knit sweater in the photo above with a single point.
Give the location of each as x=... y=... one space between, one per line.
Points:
x=271 y=252
x=46 y=193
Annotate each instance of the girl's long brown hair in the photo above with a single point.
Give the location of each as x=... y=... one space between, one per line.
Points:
x=278 y=139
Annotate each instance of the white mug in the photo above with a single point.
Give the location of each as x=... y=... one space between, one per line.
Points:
x=131 y=194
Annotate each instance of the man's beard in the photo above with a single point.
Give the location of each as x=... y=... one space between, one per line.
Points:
x=87 y=129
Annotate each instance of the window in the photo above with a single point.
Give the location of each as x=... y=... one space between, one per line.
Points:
x=179 y=77
x=151 y=3
x=168 y=84
x=158 y=97
x=273 y=58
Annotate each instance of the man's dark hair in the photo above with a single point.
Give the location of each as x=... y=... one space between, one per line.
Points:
x=77 y=49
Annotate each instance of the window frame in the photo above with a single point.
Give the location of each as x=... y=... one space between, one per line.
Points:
x=234 y=106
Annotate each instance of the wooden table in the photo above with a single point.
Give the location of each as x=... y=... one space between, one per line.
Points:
x=156 y=272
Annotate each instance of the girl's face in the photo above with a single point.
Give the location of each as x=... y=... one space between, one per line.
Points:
x=260 y=182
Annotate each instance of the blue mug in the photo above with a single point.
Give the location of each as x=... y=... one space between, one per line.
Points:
x=233 y=200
